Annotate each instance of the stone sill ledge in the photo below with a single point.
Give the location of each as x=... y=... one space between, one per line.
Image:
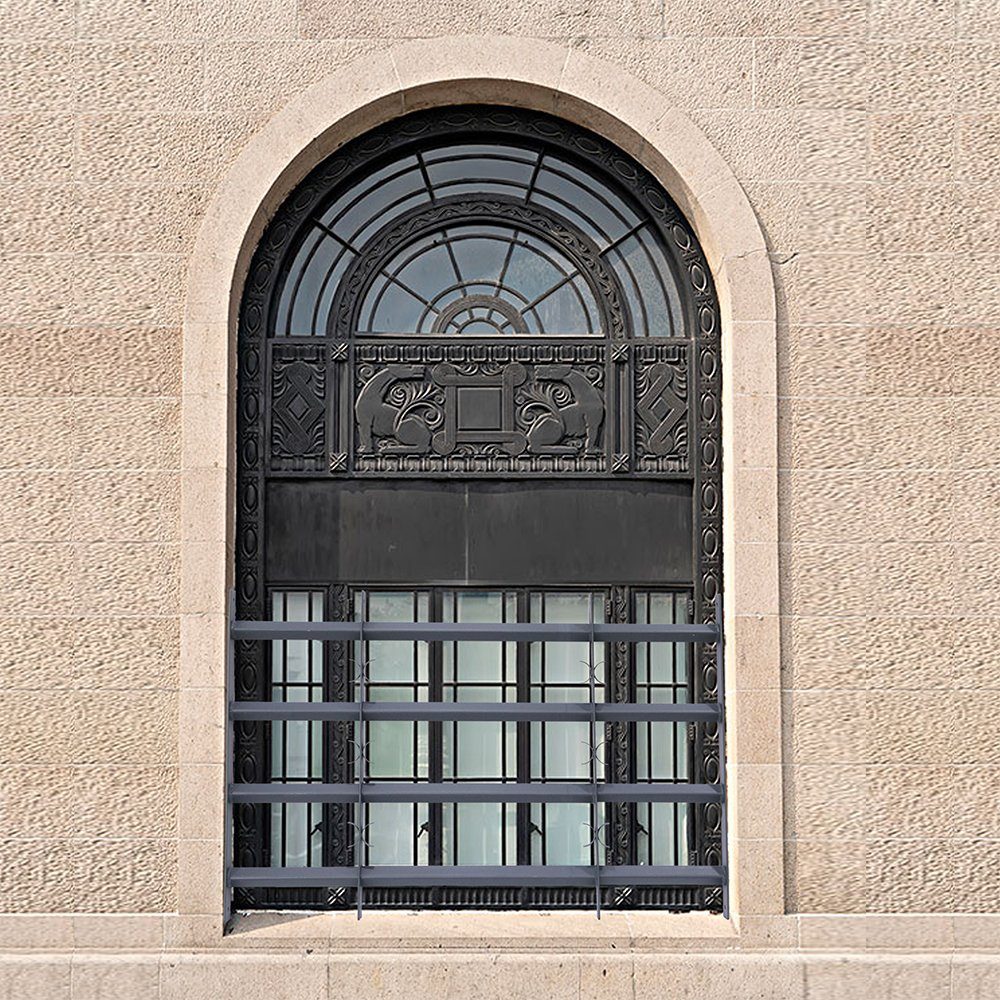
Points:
x=476 y=930
x=618 y=932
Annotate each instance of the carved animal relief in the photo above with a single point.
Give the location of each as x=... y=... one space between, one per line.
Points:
x=411 y=409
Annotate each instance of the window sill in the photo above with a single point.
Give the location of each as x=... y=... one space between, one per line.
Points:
x=475 y=930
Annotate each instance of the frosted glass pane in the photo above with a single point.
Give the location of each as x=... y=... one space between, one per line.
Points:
x=567 y=834
x=391 y=747
x=480 y=826
x=391 y=834
x=562 y=753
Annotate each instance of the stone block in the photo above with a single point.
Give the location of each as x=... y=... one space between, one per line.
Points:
x=126 y=433
x=810 y=73
x=689 y=72
x=139 y=77
x=827 y=876
x=914 y=146
x=330 y=19
x=911 y=76
x=126 y=507
x=36 y=148
x=123 y=728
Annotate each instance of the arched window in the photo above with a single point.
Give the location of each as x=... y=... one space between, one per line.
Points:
x=478 y=382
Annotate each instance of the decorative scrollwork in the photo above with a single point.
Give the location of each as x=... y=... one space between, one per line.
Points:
x=465 y=408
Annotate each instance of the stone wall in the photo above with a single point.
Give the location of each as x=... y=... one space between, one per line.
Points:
x=865 y=136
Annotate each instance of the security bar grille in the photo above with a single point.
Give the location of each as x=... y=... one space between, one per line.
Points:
x=362 y=791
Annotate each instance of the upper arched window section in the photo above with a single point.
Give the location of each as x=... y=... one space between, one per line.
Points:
x=506 y=237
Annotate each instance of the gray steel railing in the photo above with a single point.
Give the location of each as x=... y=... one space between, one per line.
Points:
x=360 y=791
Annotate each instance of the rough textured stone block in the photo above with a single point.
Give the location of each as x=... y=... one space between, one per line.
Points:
x=810 y=73
x=828 y=876
x=144 y=77
x=826 y=801
x=127 y=578
x=920 y=653
x=125 y=876
x=911 y=218
x=913 y=146
x=37 y=76
x=33 y=577
x=907 y=728
x=821 y=433
x=44 y=20
x=38 y=800
x=37 y=290
x=829 y=652
x=126 y=433
x=912 y=18
x=911 y=290
x=36 y=149
x=123 y=727
x=125 y=653
x=133 y=19
x=127 y=801
x=924 y=876
x=173 y=149
x=816 y=217
x=126 y=507
x=822 y=361
x=124 y=363
x=237 y=80
x=913 y=800
x=820 y=288
x=911 y=76
x=140 y=219
x=690 y=73
x=766 y=17
x=37 y=652
x=330 y=19
x=826 y=727
x=35 y=506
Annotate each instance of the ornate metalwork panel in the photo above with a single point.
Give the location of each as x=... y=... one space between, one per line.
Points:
x=417 y=409
x=475 y=294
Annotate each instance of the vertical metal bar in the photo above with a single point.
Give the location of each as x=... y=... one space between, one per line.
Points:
x=720 y=687
x=595 y=852
x=230 y=693
x=359 y=766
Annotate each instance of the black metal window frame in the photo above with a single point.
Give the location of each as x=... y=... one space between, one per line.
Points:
x=258 y=365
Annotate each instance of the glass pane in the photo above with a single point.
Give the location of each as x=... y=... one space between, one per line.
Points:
x=400 y=751
x=565 y=837
x=393 y=829
x=296 y=747
x=475 y=833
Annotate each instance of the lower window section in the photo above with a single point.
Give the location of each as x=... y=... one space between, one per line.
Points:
x=481 y=833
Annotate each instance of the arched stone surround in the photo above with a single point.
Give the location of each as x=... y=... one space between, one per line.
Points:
x=563 y=81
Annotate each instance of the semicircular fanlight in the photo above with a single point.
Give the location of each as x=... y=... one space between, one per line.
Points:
x=535 y=285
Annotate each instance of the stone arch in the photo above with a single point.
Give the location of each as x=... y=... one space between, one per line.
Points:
x=365 y=93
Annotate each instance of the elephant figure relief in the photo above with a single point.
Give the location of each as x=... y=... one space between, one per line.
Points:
x=387 y=408
x=539 y=409
x=571 y=410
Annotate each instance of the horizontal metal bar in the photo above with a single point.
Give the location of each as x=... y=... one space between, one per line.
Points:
x=476 y=876
x=470 y=711
x=474 y=791
x=461 y=631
